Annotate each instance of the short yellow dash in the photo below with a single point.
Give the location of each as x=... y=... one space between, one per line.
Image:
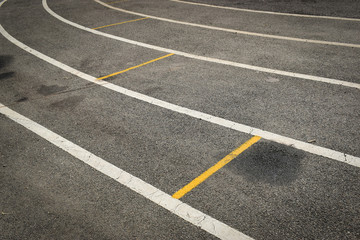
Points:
x=114 y=24
x=216 y=167
x=140 y=65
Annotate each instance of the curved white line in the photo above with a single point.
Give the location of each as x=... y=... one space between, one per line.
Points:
x=1 y=3
x=269 y=12
x=207 y=59
x=307 y=147
x=232 y=30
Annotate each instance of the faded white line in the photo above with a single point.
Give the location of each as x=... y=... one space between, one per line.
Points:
x=307 y=147
x=269 y=12
x=207 y=59
x=148 y=191
x=233 y=30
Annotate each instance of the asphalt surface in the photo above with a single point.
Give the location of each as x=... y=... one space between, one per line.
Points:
x=270 y=191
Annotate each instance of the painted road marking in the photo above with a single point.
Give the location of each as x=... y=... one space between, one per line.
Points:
x=140 y=65
x=205 y=175
x=233 y=30
x=1 y=3
x=114 y=24
x=207 y=59
x=304 y=146
x=148 y=191
x=268 y=12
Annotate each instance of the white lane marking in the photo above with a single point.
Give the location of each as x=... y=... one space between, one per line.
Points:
x=233 y=30
x=307 y=147
x=269 y=12
x=207 y=59
x=148 y=191
x=1 y=3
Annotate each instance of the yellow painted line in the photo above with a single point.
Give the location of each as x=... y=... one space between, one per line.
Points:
x=114 y=24
x=140 y=65
x=216 y=167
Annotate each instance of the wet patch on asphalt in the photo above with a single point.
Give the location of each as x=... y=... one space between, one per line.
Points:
x=268 y=162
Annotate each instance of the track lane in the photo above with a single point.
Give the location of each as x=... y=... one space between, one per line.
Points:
x=47 y=193
x=321 y=151
x=268 y=12
x=346 y=8
x=269 y=219
x=313 y=34
x=235 y=119
x=208 y=59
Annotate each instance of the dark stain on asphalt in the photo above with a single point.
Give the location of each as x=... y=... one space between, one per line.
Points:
x=268 y=162
x=23 y=99
x=48 y=90
x=6 y=75
x=4 y=61
x=67 y=103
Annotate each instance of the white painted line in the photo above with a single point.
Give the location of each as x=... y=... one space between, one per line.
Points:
x=268 y=12
x=148 y=191
x=307 y=147
x=233 y=30
x=1 y=3
x=207 y=59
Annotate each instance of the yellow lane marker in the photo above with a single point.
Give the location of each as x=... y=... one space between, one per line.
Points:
x=216 y=167
x=140 y=65
x=114 y=24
